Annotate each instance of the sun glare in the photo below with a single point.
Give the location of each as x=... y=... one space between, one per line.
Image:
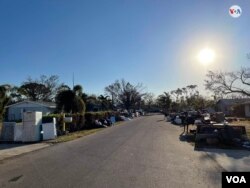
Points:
x=206 y=56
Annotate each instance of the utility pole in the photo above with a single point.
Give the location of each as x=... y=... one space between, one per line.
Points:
x=73 y=79
x=248 y=55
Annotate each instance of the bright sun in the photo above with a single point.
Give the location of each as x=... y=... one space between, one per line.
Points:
x=206 y=56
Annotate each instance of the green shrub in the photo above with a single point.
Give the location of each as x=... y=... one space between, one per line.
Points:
x=79 y=121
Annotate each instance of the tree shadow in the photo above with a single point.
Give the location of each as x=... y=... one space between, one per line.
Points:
x=232 y=153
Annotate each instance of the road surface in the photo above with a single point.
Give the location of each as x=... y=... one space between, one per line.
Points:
x=145 y=152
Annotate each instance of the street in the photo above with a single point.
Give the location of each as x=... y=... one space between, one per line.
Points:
x=144 y=152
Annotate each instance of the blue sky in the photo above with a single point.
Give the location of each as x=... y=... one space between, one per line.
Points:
x=154 y=42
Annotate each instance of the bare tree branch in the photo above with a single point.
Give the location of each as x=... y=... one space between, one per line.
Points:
x=229 y=82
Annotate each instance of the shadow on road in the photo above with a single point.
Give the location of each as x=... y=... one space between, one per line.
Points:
x=9 y=146
x=152 y=114
x=236 y=154
x=160 y=120
x=190 y=138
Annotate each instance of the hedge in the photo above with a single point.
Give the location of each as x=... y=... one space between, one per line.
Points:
x=79 y=121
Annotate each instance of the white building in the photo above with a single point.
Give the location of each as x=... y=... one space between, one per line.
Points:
x=15 y=111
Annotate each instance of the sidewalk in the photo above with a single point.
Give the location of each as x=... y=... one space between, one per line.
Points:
x=11 y=150
x=231 y=160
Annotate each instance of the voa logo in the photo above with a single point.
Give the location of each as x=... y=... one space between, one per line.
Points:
x=235 y=11
x=236 y=179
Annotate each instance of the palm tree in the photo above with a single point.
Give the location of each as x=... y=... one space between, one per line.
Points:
x=70 y=101
x=105 y=102
x=4 y=99
x=78 y=90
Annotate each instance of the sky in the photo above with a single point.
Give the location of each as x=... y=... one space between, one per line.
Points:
x=154 y=42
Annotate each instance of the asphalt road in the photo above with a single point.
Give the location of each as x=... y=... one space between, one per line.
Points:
x=145 y=152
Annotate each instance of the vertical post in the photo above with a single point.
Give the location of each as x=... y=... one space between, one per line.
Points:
x=73 y=79
x=64 y=122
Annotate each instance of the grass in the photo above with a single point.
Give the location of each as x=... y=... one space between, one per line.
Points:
x=74 y=135
x=78 y=134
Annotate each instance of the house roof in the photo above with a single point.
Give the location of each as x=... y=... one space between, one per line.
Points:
x=41 y=103
x=248 y=102
x=234 y=101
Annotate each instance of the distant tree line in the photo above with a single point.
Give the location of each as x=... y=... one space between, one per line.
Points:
x=120 y=94
x=125 y=95
x=235 y=84
x=186 y=98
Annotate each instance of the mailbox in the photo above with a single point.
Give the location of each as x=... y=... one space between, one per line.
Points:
x=68 y=119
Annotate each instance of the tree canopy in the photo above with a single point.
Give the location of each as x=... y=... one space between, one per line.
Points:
x=164 y=101
x=45 y=88
x=70 y=101
x=125 y=94
x=186 y=98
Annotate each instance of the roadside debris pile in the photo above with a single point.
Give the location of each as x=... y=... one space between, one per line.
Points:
x=105 y=122
x=221 y=134
x=110 y=120
x=212 y=129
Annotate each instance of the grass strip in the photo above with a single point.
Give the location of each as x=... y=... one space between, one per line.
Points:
x=78 y=134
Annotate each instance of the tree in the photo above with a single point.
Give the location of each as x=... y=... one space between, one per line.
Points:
x=4 y=99
x=113 y=90
x=78 y=90
x=186 y=98
x=70 y=101
x=34 y=91
x=148 y=100
x=191 y=89
x=164 y=101
x=176 y=93
x=16 y=94
x=125 y=95
x=92 y=102
x=225 y=83
x=104 y=102
x=44 y=88
x=63 y=87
